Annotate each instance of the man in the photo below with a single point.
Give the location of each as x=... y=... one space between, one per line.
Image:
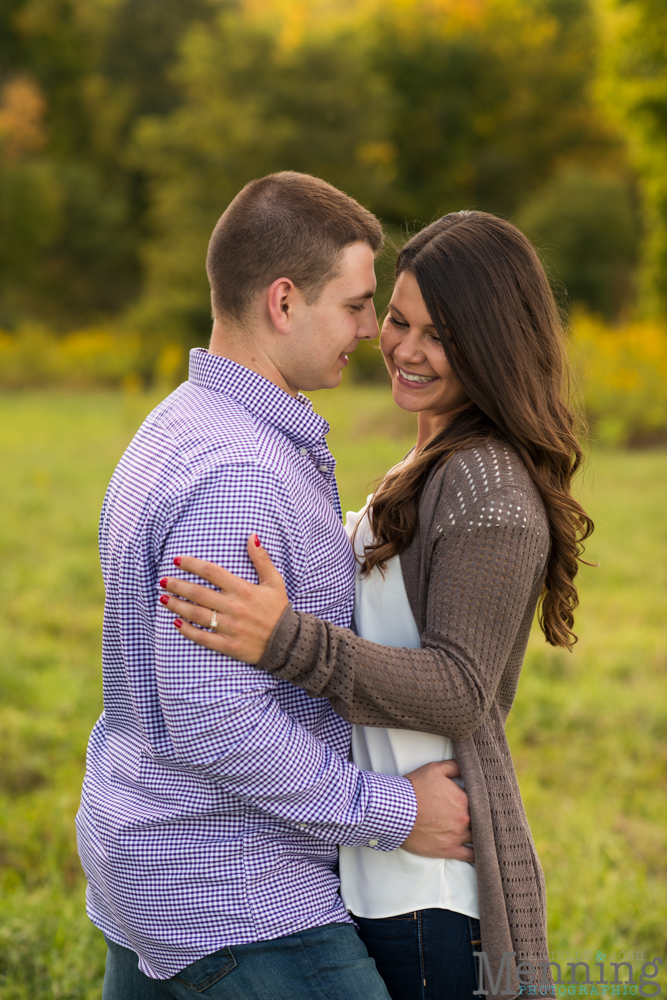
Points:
x=215 y=797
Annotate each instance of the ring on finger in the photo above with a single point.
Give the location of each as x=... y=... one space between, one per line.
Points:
x=214 y=620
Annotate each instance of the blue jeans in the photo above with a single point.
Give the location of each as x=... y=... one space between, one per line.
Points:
x=322 y=963
x=425 y=955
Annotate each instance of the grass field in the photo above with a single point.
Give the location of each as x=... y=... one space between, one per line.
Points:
x=588 y=732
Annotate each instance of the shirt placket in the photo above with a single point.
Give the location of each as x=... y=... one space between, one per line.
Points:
x=325 y=464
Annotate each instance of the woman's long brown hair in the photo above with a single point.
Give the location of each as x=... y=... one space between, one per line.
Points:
x=488 y=296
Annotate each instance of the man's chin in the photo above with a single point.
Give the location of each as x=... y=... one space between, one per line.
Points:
x=329 y=381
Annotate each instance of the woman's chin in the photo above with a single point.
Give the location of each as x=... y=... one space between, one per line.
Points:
x=405 y=399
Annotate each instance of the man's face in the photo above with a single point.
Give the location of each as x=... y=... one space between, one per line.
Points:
x=324 y=333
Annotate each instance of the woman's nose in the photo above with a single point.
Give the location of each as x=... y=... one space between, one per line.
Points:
x=409 y=350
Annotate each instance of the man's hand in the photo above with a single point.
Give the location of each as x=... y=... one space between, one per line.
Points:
x=442 y=826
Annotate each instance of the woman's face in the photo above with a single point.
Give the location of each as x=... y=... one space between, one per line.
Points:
x=421 y=377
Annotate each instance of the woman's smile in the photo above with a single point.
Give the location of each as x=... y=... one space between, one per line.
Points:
x=422 y=379
x=414 y=380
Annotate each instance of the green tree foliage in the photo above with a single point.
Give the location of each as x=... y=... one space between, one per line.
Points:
x=585 y=225
x=416 y=113
x=633 y=88
x=486 y=105
x=29 y=202
x=126 y=126
x=71 y=207
x=63 y=201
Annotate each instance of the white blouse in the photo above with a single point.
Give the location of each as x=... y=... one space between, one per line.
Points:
x=385 y=883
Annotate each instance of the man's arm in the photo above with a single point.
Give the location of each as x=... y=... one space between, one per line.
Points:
x=221 y=715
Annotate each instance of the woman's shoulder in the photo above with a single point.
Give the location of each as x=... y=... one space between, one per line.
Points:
x=488 y=480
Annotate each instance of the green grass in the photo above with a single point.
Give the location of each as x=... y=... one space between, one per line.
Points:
x=587 y=732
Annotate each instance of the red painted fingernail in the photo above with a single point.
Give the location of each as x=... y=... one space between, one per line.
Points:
x=163 y=582
x=257 y=541
x=164 y=599
x=177 y=622
x=177 y=561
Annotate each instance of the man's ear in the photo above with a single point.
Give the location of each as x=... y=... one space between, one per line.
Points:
x=280 y=303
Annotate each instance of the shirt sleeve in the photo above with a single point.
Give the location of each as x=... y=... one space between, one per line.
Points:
x=222 y=716
x=484 y=579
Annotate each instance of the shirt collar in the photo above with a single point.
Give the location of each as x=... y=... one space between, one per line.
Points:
x=292 y=415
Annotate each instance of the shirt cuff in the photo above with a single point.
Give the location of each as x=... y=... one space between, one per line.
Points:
x=391 y=812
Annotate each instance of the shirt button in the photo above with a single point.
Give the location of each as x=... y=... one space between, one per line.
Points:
x=323 y=468
x=303 y=451
x=373 y=842
x=302 y=826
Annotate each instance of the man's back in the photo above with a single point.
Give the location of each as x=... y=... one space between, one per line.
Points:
x=215 y=796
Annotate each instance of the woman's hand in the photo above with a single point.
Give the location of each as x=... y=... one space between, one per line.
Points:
x=242 y=615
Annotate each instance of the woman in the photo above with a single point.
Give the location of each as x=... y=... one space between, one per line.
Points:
x=456 y=548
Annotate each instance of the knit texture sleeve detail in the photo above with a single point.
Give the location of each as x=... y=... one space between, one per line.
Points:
x=486 y=553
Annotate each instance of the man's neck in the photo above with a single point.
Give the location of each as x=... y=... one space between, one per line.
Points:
x=244 y=348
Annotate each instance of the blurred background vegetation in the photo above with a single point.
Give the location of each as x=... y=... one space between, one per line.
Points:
x=126 y=126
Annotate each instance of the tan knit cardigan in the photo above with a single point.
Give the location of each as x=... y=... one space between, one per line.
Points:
x=473 y=575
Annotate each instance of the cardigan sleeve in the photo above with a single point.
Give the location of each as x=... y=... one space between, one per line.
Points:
x=485 y=570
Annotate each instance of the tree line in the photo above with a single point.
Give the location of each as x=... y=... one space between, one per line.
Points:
x=126 y=126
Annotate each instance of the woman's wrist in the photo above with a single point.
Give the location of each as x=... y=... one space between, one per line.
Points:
x=275 y=658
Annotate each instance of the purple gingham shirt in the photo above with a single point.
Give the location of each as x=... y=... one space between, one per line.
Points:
x=215 y=795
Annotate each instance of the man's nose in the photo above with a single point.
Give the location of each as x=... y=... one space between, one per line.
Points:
x=368 y=328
